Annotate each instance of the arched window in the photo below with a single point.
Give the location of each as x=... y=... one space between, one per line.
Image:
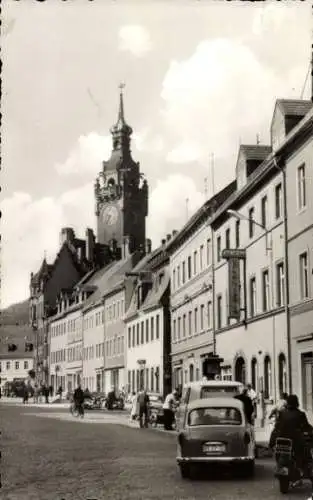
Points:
x=282 y=374
x=191 y=373
x=240 y=370
x=254 y=373
x=267 y=377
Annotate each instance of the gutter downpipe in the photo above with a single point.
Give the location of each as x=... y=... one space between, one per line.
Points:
x=282 y=169
x=213 y=291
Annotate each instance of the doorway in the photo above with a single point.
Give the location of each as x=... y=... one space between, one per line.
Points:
x=307 y=381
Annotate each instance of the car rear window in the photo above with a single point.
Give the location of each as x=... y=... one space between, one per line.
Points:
x=214 y=416
x=206 y=391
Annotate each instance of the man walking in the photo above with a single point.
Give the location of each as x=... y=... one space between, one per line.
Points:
x=169 y=407
x=79 y=400
x=143 y=401
x=253 y=396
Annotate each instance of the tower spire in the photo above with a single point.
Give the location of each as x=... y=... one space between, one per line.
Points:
x=121 y=108
x=121 y=132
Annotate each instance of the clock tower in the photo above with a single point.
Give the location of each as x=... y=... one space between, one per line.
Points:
x=121 y=192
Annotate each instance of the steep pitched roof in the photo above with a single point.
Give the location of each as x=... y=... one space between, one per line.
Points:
x=255 y=151
x=157 y=291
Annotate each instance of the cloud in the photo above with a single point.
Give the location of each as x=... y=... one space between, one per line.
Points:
x=168 y=207
x=135 y=39
x=30 y=227
x=220 y=93
x=185 y=152
x=87 y=155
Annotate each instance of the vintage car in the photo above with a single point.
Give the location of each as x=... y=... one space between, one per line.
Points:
x=202 y=390
x=215 y=432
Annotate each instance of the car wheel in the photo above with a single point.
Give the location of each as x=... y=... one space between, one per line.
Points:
x=184 y=471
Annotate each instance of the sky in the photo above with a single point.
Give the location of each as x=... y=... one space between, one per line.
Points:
x=200 y=79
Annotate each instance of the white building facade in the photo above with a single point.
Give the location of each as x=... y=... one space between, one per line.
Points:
x=93 y=347
x=15 y=366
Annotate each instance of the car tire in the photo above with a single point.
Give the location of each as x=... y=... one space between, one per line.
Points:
x=184 y=471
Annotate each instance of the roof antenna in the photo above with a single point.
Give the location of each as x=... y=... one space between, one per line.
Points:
x=306 y=79
x=206 y=188
x=257 y=139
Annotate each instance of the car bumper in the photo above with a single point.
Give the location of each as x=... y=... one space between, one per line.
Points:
x=225 y=460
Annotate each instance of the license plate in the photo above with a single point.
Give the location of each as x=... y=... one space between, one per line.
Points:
x=213 y=448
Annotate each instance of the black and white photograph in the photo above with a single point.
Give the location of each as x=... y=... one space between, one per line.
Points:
x=156 y=288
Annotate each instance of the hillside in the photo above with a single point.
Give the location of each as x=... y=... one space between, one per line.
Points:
x=15 y=314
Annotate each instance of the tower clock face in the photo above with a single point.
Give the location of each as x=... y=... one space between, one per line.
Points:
x=110 y=215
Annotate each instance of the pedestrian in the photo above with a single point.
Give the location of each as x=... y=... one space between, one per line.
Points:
x=79 y=400
x=143 y=402
x=50 y=391
x=46 y=393
x=36 y=393
x=253 y=396
x=133 y=412
x=248 y=406
x=169 y=407
x=59 y=393
x=280 y=406
x=25 y=394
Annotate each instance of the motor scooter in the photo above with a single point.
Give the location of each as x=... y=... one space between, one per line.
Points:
x=287 y=472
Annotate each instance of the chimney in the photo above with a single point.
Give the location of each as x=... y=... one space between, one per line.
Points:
x=148 y=246
x=90 y=245
x=67 y=234
x=168 y=237
x=163 y=242
x=174 y=232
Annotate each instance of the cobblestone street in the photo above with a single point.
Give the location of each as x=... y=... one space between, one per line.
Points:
x=60 y=457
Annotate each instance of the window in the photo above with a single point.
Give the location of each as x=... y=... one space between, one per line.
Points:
x=280 y=284
x=218 y=248
x=190 y=322
x=209 y=314
x=174 y=329
x=196 y=320
x=304 y=276
x=183 y=272
x=152 y=329
x=252 y=297
x=208 y=252
x=157 y=327
x=17 y=365
x=227 y=238
x=267 y=377
x=142 y=332
x=178 y=328
x=134 y=336
x=137 y=334
x=152 y=379
x=202 y=317
x=189 y=267
x=174 y=278
x=219 y=311
x=301 y=187
x=254 y=373
x=214 y=416
x=25 y=365
x=129 y=336
x=201 y=257
x=251 y=222
x=237 y=229
x=195 y=258
x=264 y=205
x=265 y=291
x=184 y=325
x=147 y=330
x=278 y=201
x=282 y=373
x=178 y=276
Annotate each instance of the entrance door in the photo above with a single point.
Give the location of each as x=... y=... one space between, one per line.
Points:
x=307 y=381
x=98 y=382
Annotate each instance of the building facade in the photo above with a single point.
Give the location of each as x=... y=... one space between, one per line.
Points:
x=93 y=346
x=147 y=325
x=297 y=160
x=192 y=284
x=16 y=355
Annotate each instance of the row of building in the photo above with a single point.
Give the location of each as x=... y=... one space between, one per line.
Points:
x=236 y=281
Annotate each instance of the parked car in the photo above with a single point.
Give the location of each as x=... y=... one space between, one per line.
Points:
x=215 y=431
x=156 y=409
x=202 y=390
